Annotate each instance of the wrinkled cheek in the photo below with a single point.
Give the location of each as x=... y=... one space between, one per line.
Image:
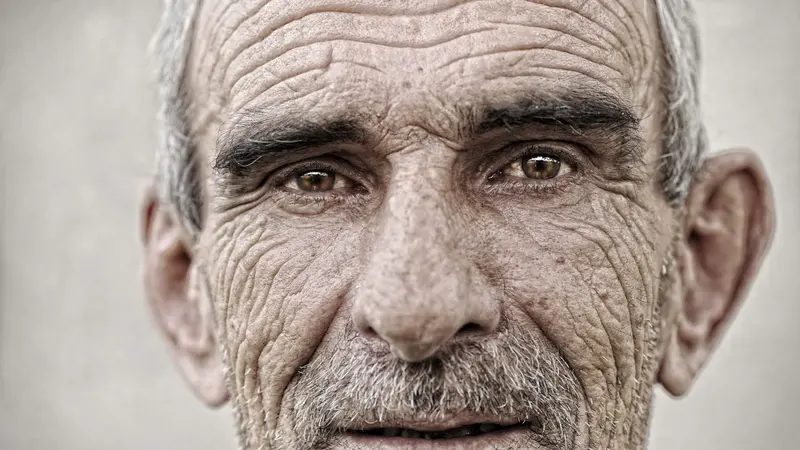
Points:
x=587 y=284
x=277 y=290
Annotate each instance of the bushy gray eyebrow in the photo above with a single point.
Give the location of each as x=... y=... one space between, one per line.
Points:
x=247 y=147
x=259 y=139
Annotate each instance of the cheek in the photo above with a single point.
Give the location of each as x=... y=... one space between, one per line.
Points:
x=277 y=287
x=586 y=275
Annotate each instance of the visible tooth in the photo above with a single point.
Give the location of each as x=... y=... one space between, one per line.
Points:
x=427 y=436
x=391 y=432
x=489 y=427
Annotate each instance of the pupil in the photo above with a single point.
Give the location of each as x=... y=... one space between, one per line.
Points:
x=541 y=167
x=315 y=181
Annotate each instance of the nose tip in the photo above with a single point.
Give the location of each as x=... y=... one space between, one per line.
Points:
x=417 y=341
x=411 y=351
x=421 y=286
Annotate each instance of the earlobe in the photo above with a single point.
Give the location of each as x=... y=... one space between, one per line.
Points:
x=728 y=225
x=180 y=301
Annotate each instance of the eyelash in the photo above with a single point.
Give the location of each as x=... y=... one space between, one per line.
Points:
x=283 y=176
x=505 y=185
x=513 y=184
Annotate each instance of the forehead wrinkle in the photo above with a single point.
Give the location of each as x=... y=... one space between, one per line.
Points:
x=643 y=26
x=212 y=24
x=562 y=72
x=603 y=16
x=254 y=21
x=312 y=64
x=649 y=70
x=631 y=41
x=601 y=21
x=330 y=43
x=264 y=78
x=537 y=50
x=268 y=31
x=642 y=51
x=213 y=38
x=445 y=20
x=348 y=32
x=619 y=14
x=216 y=11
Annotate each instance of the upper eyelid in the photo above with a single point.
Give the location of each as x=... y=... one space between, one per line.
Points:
x=358 y=180
x=345 y=168
x=545 y=149
x=530 y=149
x=284 y=174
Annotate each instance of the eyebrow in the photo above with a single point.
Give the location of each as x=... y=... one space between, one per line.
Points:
x=256 y=140
x=594 y=114
x=577 y=109
x=250 y=143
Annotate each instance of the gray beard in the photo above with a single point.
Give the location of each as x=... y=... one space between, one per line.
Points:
x=512 y=374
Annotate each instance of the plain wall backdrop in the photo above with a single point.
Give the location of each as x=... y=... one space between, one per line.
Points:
x=81 y=366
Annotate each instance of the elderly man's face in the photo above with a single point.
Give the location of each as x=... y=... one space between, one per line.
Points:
x=440 y=224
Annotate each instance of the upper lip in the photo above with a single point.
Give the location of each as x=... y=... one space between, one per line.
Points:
x=438 y=424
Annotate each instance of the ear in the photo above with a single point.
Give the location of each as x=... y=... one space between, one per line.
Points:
x=178 y=297
x=728 y=226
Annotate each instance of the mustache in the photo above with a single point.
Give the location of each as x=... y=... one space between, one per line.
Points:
x=512 y=375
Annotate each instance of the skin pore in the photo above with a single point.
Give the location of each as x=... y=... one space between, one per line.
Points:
x=429 y=218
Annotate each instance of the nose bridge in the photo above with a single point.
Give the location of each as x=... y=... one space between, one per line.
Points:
x=419 y=289
x=419 y=234
x=414 y=255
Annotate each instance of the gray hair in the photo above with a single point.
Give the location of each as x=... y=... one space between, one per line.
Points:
x=177 y=170
x=177 y=167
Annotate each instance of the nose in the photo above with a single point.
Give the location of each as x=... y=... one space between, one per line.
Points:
x=420 y=290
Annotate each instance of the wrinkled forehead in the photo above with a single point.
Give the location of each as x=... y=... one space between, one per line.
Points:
x=377 y=54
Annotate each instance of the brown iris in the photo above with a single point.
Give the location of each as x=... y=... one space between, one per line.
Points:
x=541 y=167
x=316 y=181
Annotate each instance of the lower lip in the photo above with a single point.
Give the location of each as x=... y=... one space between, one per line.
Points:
x=515 y=437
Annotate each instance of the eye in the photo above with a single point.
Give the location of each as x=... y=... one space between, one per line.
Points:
x=537 y=167
x=318 y=181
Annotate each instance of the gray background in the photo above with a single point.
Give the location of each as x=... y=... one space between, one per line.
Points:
x=82 y=368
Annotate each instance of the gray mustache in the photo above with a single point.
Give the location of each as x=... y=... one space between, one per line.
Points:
x=512 y=376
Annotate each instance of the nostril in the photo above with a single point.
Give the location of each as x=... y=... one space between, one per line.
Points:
x=364 y=326
x=369 y=333
x=470 y=328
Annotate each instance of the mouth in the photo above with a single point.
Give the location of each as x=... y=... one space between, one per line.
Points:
x=471 y=430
